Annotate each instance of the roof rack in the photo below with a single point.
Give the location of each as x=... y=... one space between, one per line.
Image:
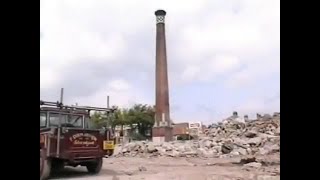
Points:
x=87 y=108
x=61 y=106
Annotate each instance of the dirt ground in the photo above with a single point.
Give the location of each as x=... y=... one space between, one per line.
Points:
x=165 y=168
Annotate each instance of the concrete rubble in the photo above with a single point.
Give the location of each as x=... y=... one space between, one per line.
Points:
x=233 y=149
x=230 y=138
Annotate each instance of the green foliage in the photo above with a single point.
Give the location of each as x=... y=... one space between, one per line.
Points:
x=137 y=137
x=140 y=117
x=97 y=120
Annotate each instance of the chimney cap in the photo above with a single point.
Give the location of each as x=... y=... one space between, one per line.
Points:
x=160 y=13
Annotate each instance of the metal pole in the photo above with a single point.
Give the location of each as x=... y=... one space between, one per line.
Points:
x=61 y=95
x=108 y=116
x=108 y=102
x=59 y=129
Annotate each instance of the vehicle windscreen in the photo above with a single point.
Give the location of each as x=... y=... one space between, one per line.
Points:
x=66 y=120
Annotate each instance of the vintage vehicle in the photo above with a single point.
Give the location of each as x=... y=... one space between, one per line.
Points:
x=67 y=138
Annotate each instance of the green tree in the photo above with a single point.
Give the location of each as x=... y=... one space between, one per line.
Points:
x=120 y=118
x=141 y=117
x=100 y=120
x=97 y=120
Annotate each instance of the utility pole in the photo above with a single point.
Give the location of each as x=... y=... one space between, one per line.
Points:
x=108 y=116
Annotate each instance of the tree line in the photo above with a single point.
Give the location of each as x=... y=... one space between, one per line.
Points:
x=139 y=117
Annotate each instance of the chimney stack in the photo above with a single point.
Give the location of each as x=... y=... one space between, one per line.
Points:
x=162 y=130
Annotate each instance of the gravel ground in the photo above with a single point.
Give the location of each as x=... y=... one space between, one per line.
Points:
x=160 y=168
x=230 y=150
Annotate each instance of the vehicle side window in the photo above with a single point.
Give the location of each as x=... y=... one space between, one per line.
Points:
x=43 y=119
x=55 y=117
x=86 y=123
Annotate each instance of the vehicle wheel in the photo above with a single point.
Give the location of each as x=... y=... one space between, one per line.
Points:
x=110 y=152
x=95 y=167
x=57 y=165
x=45 y=166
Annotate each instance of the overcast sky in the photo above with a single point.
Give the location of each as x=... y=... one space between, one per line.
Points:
x=223 y=55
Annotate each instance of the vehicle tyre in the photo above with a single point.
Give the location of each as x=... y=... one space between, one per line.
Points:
x=57 y=165
x=45 y=166
x=95 y=167
x=110 y=152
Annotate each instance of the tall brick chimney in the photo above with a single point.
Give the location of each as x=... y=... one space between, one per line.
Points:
x=162 y=130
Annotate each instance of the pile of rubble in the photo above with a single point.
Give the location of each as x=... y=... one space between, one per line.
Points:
x=231 y=137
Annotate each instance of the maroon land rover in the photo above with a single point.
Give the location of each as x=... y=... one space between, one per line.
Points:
x=68 y=139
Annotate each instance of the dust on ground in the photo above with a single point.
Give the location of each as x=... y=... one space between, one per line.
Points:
x=160 y=168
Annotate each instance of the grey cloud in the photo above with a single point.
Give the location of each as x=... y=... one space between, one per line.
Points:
x=85 y=77
x=88 y=75
x=137 y=63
